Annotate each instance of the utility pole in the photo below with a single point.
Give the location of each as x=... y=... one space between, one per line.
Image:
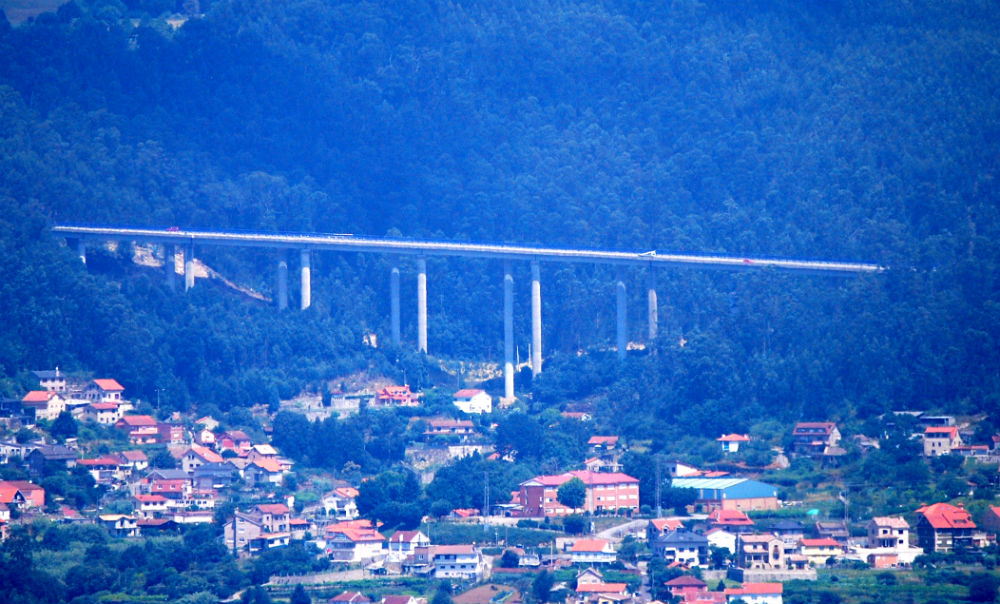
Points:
x=659 y=510
x=486 y=495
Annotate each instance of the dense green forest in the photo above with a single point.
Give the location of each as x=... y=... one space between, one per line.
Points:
x=832 y=130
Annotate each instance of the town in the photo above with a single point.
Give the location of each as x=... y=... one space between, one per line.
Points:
x=77 y=451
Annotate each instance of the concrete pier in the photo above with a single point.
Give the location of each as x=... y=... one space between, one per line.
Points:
x=508 y=332
x=81 y=250
x=422 y=304
x=536 y=319
x=170 y=265
x=394 y=304
x=305 y=280
x=282 y=284
x=653 y=310
x=621 y=322
x=189 y=267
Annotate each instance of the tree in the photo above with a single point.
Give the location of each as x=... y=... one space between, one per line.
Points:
x=572 y=493
x=575 y=524
x=299 y=595
x=541 y=586
x=509 y=559
x=63 y=427
x=983 y=588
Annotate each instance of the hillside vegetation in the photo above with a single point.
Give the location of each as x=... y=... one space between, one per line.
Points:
x=848 y=130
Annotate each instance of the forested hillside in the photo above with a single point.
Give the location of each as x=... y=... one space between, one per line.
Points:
x=843 y=130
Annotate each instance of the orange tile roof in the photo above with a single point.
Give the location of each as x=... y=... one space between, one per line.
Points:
x=951 y=431
x=138 y=420
x=109 y=385
x=468 y=392
x=668 y=524
x=207 y=454
x=756 y=589
x=589 y=545
x=273 y=508
x=826 y=542
x=601 y=588
x=38 y=396
x=947 y=516
x=730 y=517
x=733 y=438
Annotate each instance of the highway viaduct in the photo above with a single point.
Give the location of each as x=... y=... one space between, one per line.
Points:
x=172 y=238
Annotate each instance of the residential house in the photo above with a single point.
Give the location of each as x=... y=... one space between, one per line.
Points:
x=942 y=527
x=106 y=414
x=603 y=464
x=472 y=400
x=449 y=427
x=52 y=380
x=263 y=452
x=888 y=532
x=104 y=391
x=45 y=404
x=682 y=547
x=22 y=493
x=458 y=562
x=756 y=593
x=339 y=503
x=170 y=433
x=150 y=506
x=818 y=551
x=398 y=599
x=602 y=593
x=605 y=492
x=171 y=488
x=832 y=529
x=106 y=469
x=602 y=444
x=815 y=438
x=237 y=441
x=721 y=538
x=45 y=458
x=990 y=522
x=592 y=551
x=350 y=597
x=263 y=472
x=730 y=493
x=404 y=543
x=790 y=532
x=397 y=396
x=353 y=541
x=686 y=587
x=214 y=475
x=661 y=526
x=249 y=533
x=730 y=443
x=197 y=456
x=764 y=551
x=940 y=440
x=119 y=525
x=141 y=429
x=733 y=521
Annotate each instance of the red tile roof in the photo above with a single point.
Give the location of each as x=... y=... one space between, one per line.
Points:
x=275 y=509
x=38 y=396
x=136 y=421
x=207 y=454
x=947 y=516
x=468 y=392
x=601 y=588
x=827 y=542
x=109 y=385
x=667 y=524
x=685 y=581
x=589 y=545
x=942 y=431
x=727 y=438
x=602 y=440
x=730 y=518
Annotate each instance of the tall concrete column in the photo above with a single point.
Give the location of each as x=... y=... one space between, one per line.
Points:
x=189 y=267
x=305 y=280
x=81 y=250
x=282 y=283
x=422 y=304
x=508 y=331
x=653 y=308
x=621 y=324
x=170 y=265
x=394 y=303
x=536 y=319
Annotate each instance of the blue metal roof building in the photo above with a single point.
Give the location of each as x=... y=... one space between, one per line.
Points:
x=726 y=488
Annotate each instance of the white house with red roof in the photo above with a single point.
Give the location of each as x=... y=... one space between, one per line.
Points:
x=150 y=506
x=237 y=441
x=46 y=404
x=105 y=390
x=592 y=551
x=106 y=414
x=941 y=527
x=888 y=532
x=340 y=503
x=734 y=521
x=605 y=492
x=404 y=543
x=22 y=493
x=940 y=440
x=756 y=593
x=473 y=400
x=264 y=471
x=353 y=541
x=730 y=443
x=197 y=456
